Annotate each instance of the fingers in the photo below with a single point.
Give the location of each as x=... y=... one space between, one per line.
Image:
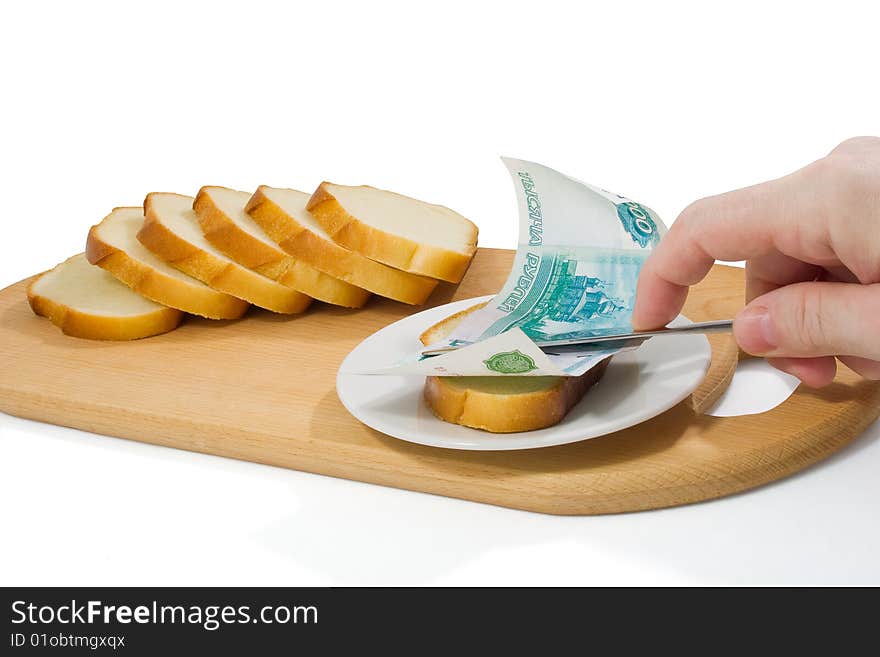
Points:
x=820 y=371
x=814 y=372
x=658 y=301
x=870 y=369
x=763 y=275
x=805 y=320
x=746 y=224
x=767 y=273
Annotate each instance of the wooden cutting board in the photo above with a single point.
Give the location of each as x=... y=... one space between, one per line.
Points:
x=262 y=389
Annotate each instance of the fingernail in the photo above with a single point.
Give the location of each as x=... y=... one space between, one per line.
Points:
x=754 y=330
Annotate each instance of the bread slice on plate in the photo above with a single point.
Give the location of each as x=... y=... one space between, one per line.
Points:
x=502 y=404
x=229 y=228
x=418 y=237
x=87 y=302
x=171 y=230
x=113 y=245
x=282 y=214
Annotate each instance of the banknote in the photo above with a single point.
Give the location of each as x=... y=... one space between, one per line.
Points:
x=574 y=275
x=511 y=353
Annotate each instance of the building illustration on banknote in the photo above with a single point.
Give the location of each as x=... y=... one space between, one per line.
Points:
x=576 y=302
x=574 y=275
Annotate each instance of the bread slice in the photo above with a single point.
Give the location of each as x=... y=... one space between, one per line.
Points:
x=113 y=245
x=229 y=228
x=171 y=230
x=282 y=214
x=87 y=302
x=418 y=237
x=502 y=404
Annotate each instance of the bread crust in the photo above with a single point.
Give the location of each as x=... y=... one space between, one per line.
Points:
x=331 y=258
x=227 y=236
x=82 y=324
x=387 y=248
x=501 y=413
x=220 y=274
x=157 y=286
x=442 y=328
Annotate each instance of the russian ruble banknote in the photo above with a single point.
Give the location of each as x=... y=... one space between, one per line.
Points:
x=574 y=275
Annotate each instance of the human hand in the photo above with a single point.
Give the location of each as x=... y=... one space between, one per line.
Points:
x=811 y=242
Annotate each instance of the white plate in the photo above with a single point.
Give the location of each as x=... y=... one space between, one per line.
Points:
x=637 y=386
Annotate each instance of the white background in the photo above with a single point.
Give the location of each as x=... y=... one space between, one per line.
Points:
x=665 y=102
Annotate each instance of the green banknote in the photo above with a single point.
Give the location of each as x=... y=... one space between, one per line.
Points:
x=574 y=275
x=575 y=272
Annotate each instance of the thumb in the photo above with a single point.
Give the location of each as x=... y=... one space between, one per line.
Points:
x=812 y=319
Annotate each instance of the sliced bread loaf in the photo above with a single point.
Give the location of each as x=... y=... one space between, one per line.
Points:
x=502 y=404
x=229 y=228
x=87 y=302
x=282 y=214
x=171 y=230
x=113 y=245
x=418 y=237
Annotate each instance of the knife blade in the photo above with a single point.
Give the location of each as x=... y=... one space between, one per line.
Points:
x=714 y=326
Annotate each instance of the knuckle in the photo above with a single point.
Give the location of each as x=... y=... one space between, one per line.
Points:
x=808 y=325
x=857 y=144
x=690 y=217
x=824 y=171
x=681 y=225
x=690 y=224
x=851 y=175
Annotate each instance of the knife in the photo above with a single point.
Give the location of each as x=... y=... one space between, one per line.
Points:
x=635 y=337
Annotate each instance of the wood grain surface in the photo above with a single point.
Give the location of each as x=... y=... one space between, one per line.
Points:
x=262 y=389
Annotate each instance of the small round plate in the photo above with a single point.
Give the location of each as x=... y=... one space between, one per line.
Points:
x=637 y=386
